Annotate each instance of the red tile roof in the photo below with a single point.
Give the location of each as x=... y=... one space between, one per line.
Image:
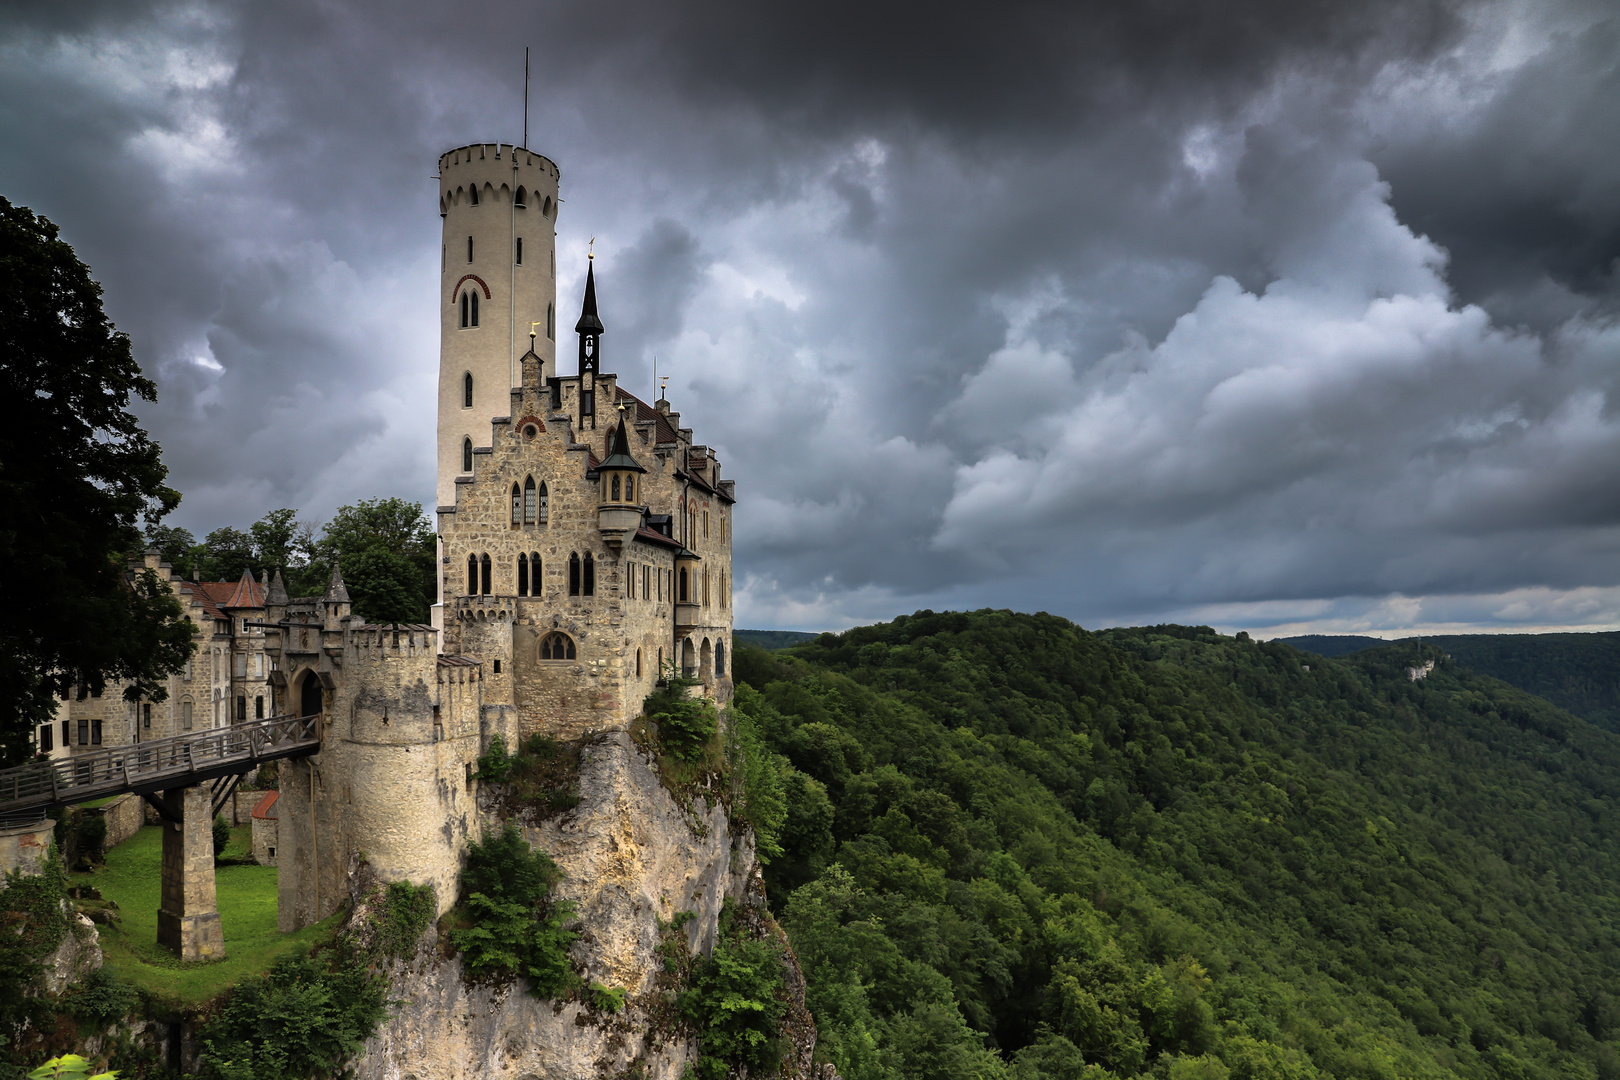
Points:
x=265 y=808
x=648 y=414
x=247 y=594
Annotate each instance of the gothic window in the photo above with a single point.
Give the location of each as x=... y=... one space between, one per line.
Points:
x=472 y=193
x=535 y=580
x=466 y=299
x=630 y=488
x=530 y=501
x=546 y=210
x=615 y=496
x=483 y=569
x=241 y=708
x=517 y=505
x=705 y=586
x=472 y=575
x=573 y=573
x=522 y=200
x=466 y=455
x=466 y=390
x=523 y=574
x=590 y=575
x=722 y=588
x=719 y=659
x=557 y=646
x=544 y=508
x=473 y=293
x=185 y=715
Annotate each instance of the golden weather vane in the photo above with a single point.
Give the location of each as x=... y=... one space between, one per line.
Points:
x=590 y=250
x=533 y=325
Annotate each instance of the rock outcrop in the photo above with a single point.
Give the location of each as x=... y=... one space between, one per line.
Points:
x=635 y=858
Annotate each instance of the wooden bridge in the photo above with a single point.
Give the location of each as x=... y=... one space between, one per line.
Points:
x=217 y=755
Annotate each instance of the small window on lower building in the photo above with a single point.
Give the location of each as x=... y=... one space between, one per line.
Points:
x=84 y=733
x=271 y=849
x=258 y=708
x=95 y=732
x=47 y=738
x=497 y=667
x=185 y=716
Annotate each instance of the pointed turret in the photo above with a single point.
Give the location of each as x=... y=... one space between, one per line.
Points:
x=617 y=513
x=589 y=329
x=277 y=591
x=589 y=323
x=247 y=594
x=619 y=451
x=336 y=591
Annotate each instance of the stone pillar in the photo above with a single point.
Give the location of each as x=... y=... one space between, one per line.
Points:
x=188 y=913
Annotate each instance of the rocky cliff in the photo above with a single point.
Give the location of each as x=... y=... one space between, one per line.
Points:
x=636 y=858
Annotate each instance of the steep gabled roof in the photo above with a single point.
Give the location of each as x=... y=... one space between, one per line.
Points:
x=247 y=594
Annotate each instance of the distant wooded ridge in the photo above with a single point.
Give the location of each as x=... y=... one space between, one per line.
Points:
x=773 y=639
x=1579 y=673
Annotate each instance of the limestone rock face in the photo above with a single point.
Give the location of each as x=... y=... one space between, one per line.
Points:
x=74 y=959
x=633 y=858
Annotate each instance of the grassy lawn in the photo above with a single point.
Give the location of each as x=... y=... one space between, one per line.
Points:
x=247 y=907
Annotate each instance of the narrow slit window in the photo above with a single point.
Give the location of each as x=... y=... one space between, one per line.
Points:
x=551 y=330
x=466 y=300
x=573 y=573
x=615 y=496
x=466 y=390
x=534 y=573
x=466 y=455
x=590 y=575
x=520 y=251
x=517 y=505
x=472 y=575
x=523 y=574
x=484 y=574
x=469 y=244
x=474 y=294
x=544 y=508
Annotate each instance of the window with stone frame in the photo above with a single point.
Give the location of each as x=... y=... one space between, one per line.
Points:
x=531 y=501
x=557 y=646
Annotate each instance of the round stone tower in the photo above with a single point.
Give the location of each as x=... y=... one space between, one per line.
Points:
x=498 y=277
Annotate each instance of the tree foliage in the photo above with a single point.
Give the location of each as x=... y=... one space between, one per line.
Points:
x=516 y=927
x=77 y=476
x=1018 y=847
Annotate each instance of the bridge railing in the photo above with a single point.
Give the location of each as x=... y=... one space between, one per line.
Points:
x=145 y=765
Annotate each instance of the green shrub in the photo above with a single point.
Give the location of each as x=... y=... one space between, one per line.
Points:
x=402 y=917
x=735 y=1006
x=607 y=998
x=685 y=724
x=101 y=999
x=495 y=764
x=222 y=835
x=302 y=1018
x=68 y=1067
x=516 y=927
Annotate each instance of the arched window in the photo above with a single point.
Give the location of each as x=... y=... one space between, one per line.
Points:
x=573 y=573
x=517 y=505
x=705 y=524
x=469 y=239
x=466 y=391
x=472 y=193
x=535 y=581
x=474 y=294
x=630 y=488
x=546 y=210
x=523 y=574
x=241 y=708
x=720 y=660
x=185 y=716
x=590 y=575
x=685 y=592
x=722 y=588
x=522 y=198
x=483 y=567
x=545 y=505
x=557 y=646
x=466 y=299
x=530 y=501
x=472 y=575
x=466 y=455
x=615 y=496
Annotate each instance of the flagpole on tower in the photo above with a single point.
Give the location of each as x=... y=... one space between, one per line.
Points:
x=525 y=97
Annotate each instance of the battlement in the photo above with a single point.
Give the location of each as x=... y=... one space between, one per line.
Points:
x=492 y=173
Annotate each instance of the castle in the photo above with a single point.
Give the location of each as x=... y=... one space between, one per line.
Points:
x=584 y=552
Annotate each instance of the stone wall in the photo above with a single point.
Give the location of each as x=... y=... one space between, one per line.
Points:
x=24 y=847
x=125 y=815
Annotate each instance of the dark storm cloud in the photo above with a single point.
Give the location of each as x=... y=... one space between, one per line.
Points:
x=1115 y=309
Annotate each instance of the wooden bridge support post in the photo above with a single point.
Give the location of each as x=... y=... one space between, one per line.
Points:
x=188 y=914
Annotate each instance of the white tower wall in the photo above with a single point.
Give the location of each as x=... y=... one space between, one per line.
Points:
x=510 y=295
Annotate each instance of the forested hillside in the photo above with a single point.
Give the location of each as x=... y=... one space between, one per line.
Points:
x=1012 y=847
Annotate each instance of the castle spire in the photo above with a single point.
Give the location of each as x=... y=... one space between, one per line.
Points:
x=336 y=591
x=589 y=323
x=277 y=593
x=589 y=328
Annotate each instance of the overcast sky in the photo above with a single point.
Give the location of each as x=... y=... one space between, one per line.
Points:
x=1285 y=315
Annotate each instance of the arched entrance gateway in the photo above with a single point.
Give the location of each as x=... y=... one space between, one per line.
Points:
x=309 y=695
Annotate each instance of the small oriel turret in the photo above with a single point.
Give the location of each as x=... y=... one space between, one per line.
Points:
x=617 y=513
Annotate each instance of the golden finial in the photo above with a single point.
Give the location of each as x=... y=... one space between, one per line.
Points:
x=663 y=386
x=532 y=326
x=590 y=251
